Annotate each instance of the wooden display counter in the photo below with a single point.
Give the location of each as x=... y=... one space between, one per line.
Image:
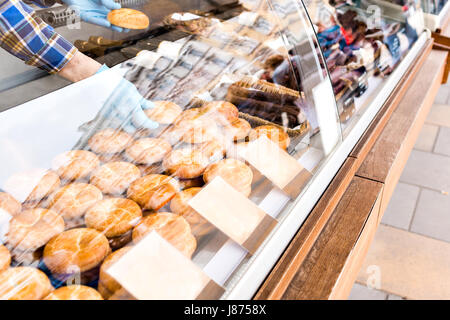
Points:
x=325 y=256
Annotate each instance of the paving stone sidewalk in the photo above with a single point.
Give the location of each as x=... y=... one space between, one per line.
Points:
x=410 y=255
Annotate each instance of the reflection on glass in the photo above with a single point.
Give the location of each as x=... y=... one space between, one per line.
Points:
x=242 y=123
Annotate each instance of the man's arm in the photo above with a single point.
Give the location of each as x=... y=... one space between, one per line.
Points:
x=27 y=37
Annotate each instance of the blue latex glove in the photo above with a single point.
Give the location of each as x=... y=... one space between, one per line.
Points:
x=95 y=11
x=129 y=105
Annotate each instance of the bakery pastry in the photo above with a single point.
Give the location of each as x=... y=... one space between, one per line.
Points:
x=201 y=131
x=174 y=228
x=24 y=283
x=75 y=164
x=5 y=258
x=148 y=150
x=152 y=192
x=179 y=205
x=74 y=292
x=115 y=177
x=237 y=130
x=214 y=150
x=234 y=172
x=150 y=169
x=113 y=217
x=33 y=185
x=75 y=251
x=164 y=112
x=128 y=18
x=107 y=285
x=274 y=133
x=221 y=111
x=72 y=200
x=186 y=163
x=109 y=141
x=9 y=204
x=33 y=228
x=191 y=183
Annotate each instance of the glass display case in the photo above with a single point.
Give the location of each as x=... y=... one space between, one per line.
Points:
x=257 y=104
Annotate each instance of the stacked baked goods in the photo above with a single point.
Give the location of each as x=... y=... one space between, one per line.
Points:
x=94 y=205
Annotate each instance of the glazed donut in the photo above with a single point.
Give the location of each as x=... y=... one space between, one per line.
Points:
x=72 y=200
x=234 y=172
x=179 y=205
x=113 y=217
x=164 y=112
x=148 y=150
x=174 y=228
x=75 y=251
x=75 y=164
x=221 y=111
x=237 y=130
x=74 y=292
x=5 y=258
x=9 y=204
x=154 y=191
x=273 y=133
x=24 y=283
x=33 y=228
x=109 y=141
x=115 y=177
x=185 y=163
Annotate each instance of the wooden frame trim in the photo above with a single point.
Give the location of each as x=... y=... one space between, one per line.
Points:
x=290 y=262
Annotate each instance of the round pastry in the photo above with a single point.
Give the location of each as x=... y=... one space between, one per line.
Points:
x=72 y=200
x=172 y=134
x=33 y=185
x=213 y=150
x=222 y=111
x=234 y=172
x=191 y=183
x=185 y=163
x=237 y=130
x=201 y=131
x=174 y=228
x=107 y=285
x=113 y=217
x=152 y=192
x=24 y=283
x=164 y=112
x=109 y=141
x=33 y=228
x=128 y=18
x=75 y=251
x=273 y=133
x=75 y=164
x=9 y=204
x=5 y=258
x=115 y=177
x=106 y=158
x=150 y=169
x=74 y=292
x=179 y=205
x=148 y=150
x=189 y=117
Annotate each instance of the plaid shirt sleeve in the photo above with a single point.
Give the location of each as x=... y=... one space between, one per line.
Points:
x=26 y=36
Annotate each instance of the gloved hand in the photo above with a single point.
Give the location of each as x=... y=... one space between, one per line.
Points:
x=95 y=11
x=128 y=106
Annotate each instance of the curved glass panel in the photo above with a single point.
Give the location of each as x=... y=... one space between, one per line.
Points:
x=364 y=44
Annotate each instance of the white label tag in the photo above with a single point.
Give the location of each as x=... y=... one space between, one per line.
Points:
x=326 y=115
x=184 y=16
x=170 y=49
x=232 y=213
x=147 y=59
x=272 y=161
x=154 y=270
